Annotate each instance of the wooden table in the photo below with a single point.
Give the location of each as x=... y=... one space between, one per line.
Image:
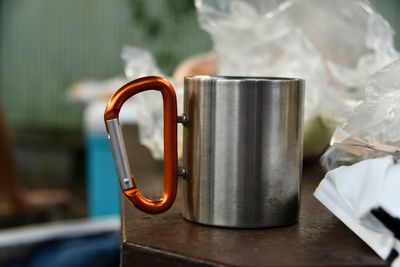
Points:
x=319 y=239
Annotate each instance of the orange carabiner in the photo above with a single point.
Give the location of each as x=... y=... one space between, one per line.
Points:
x=127 y=181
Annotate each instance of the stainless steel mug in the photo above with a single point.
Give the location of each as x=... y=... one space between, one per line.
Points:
x=242 y=151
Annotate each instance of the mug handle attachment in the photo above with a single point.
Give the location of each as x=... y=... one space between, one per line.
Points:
x=127 y=181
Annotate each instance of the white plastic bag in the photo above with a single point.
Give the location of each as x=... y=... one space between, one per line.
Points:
x=373 y=129
x=149 y=105
x=335 y=45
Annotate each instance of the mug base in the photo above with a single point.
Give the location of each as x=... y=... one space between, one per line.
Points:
x=243 y=226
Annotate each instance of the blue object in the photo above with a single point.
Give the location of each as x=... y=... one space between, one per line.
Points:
x=102 y=183
x=99 y=251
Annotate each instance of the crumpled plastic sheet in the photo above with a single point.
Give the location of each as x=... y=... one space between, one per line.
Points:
x=149 y=105
x=373 y=129
x=335 y=45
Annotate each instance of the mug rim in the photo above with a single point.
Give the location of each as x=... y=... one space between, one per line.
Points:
x=243 y=78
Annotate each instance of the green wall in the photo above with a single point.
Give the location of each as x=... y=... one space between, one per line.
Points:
x=47 y=45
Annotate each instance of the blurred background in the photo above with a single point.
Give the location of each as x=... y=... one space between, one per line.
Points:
x=46 y=47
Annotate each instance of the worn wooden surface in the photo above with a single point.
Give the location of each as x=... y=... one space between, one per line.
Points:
x=319 y=239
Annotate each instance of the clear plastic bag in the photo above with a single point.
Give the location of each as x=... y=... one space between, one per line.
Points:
x=149 y=105
x=373 y=129
x=335 y=45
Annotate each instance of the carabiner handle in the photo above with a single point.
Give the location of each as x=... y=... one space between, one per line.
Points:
x=127 y=181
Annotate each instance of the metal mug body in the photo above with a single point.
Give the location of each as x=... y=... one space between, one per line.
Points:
x=242 y=150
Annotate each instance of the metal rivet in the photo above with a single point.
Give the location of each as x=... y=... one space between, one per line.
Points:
x=182 y=172
x=183 y=119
